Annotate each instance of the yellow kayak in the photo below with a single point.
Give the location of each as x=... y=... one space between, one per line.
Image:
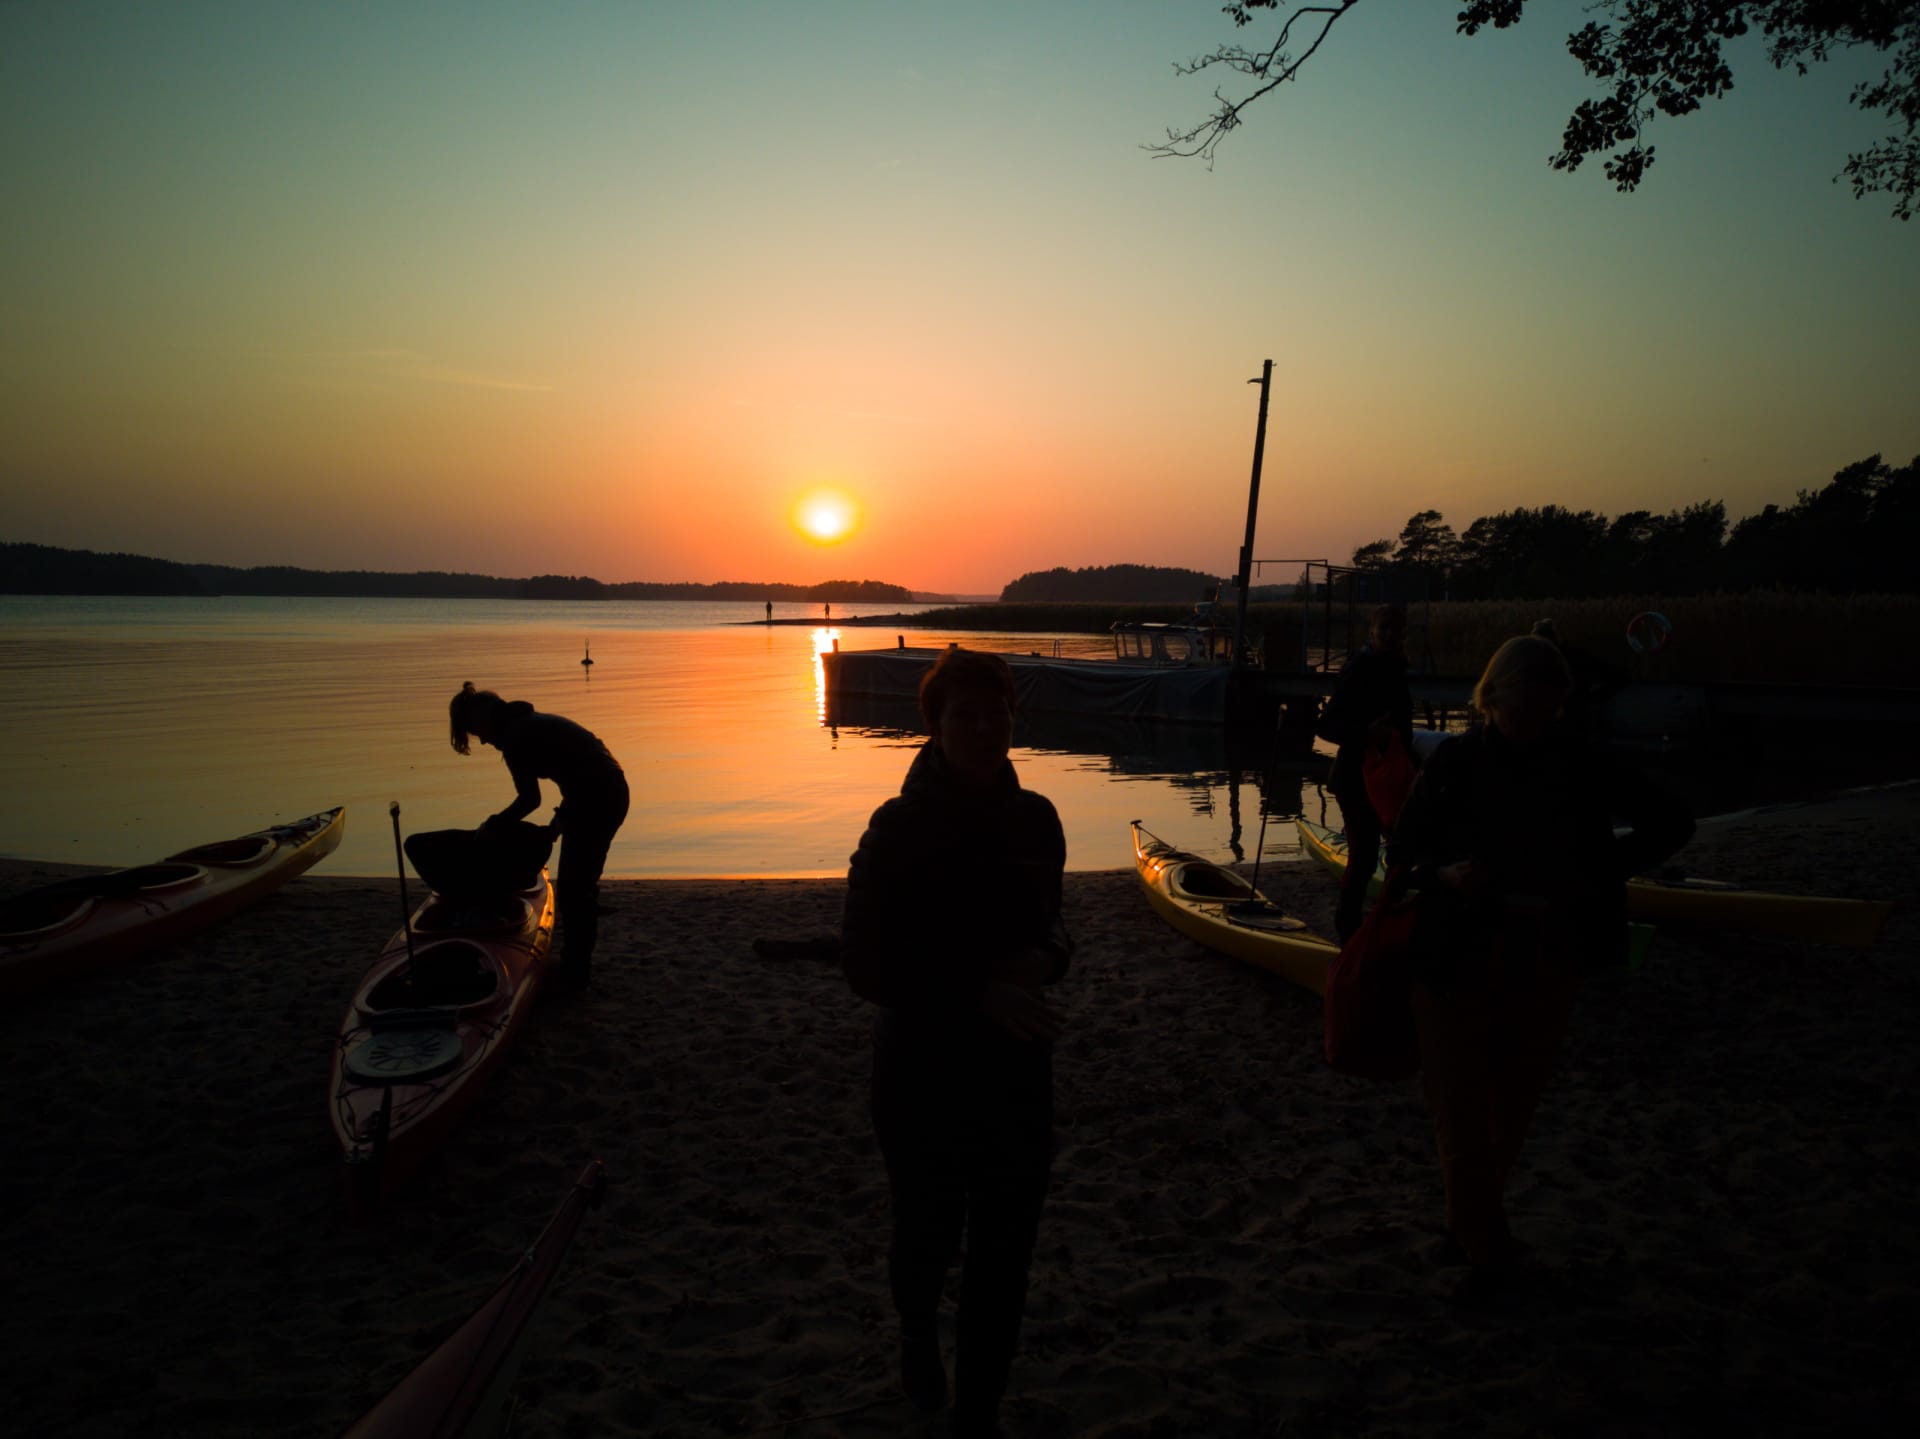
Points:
x=1222 y=911
x=1703 y=902
x=1707 y=902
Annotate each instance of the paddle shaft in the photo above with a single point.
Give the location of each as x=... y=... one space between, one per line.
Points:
x=406 y=905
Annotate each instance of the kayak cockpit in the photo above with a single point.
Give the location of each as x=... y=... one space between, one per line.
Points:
x=449 y=973
x=1209 y=881
x=232 y=853
x=440 y=915
x=33 y=917
x=167 y=874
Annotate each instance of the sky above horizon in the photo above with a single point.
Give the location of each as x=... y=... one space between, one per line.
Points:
x=618 y=290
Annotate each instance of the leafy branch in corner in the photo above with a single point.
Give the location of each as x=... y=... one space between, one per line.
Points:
x=1651 y=58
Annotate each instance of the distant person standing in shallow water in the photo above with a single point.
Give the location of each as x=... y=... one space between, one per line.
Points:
x=826 y=610
x=592 y=807
x=769 y=611
x=953 y=928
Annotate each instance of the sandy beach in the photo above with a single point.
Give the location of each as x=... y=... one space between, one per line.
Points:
x=1720 y=1190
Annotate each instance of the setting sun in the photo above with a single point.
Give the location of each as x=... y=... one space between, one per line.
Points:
x=825 y=516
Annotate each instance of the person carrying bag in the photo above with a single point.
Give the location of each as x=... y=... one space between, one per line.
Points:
x=1369 y=1022
x=1509 y=836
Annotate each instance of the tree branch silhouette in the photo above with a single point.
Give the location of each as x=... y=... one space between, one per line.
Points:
x=1652 y=58
x=1272 y=66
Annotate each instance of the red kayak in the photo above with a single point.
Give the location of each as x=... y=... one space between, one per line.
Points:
x=429 y=1024
x=460 y=1390
x=66 y=929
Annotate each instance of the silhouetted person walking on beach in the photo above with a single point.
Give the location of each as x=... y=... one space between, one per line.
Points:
x=1508 y=835
x=1370 y=701
x=953 y=927
x=592 y=807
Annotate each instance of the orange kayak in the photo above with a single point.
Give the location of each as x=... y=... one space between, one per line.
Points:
x=428 y=1026
x=62 y=930
x=460 y=1390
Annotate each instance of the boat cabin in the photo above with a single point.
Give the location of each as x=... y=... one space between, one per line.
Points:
x=1138 y=642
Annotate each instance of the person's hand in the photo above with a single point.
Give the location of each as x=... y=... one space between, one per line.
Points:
x=1019 y=1011
x=1465 y=877
x=1030 y=966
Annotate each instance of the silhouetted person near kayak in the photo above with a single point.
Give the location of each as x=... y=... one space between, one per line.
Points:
x=592 y=807
x=1508 y=835
x=1370 y=701
x=1594 y=682
x=953 y=928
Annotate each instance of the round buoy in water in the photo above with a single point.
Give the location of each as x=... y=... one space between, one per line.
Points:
x=399 y=1056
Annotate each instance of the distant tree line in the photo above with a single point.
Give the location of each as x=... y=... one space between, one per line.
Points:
x=849 y=591
x=48 y=570
x=1857 y=534
x=1101 y=583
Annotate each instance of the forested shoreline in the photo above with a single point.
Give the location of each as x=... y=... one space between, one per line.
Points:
x=28 y=569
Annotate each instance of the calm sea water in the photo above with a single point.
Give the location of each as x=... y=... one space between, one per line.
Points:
x=137 y=727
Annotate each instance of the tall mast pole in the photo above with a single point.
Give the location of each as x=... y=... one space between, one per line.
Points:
x=1265 y=382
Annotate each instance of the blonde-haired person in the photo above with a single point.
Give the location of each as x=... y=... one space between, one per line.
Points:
x=1509 y=835
x=592 y=806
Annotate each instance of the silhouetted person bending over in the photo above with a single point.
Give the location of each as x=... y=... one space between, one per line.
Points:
x=1369 y=702
x=956 y=951
x=593 y=803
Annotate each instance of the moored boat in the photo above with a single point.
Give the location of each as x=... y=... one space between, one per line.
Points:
x=461 y=1388
x=1212 y=904
x=429 y=1023
x=60 y=931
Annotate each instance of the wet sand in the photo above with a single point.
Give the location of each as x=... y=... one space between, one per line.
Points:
x=1720 y=1191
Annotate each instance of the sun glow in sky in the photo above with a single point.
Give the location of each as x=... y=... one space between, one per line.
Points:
x=826 y=516
x=595 y=289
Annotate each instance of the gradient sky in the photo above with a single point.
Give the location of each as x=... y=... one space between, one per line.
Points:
x=606 y=289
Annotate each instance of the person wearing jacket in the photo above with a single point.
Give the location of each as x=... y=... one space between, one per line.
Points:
x=1509 y=837
x=592 y=806
x=1370 y=702
x=953 y=929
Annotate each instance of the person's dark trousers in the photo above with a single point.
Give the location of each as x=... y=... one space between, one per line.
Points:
x=955 y=1171
x=584 y=843
x=1363 y=856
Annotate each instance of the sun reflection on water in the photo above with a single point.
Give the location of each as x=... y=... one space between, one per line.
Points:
x=825 y=641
